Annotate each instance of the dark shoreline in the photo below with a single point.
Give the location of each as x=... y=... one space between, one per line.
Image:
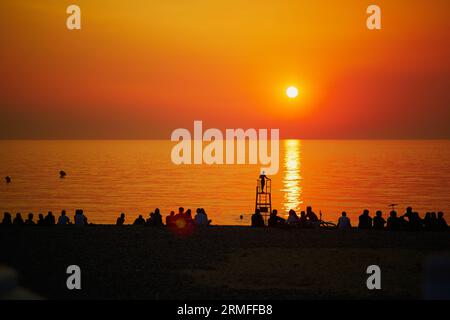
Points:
x=219 y=262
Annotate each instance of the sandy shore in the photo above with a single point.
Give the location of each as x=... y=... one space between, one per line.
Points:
x=219 y=262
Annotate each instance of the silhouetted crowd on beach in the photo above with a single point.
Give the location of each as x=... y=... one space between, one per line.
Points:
x=48 y=220
x=180 y=220
x=410 y=221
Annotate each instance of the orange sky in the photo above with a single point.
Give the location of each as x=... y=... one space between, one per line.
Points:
x=140 y=69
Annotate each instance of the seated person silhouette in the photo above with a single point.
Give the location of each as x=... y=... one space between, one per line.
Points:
x=80 y=219
x=378 y=221
x=29 y=221
x=170 y=219
x=275 y=220
x=292 y=219
x=139 y=221
x=201 y=219
x=156 y=219
x=120 y=220
x=41 y=221
x=365 y=221
x=344 y=222
x=257 y=219
x=63 y=219
x=7 y=220
x=392 y=223
x=311 y=218
x=18 y=221
x=441 y=223
x=49 y=219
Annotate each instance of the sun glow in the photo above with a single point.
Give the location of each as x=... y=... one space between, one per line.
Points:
x=292 y=92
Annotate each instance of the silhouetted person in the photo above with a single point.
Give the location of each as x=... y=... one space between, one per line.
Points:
x=180 y=218
x=427 y=221
x=441 y=223
x=63 y=219
x=392 y=223
x=7 y=219
x=41 y=221
x=139 y=221
x=8 y=179
x=170 y=220
x=302 y=220
x=365 y=221
x=29 y=221
x=149 y=221
x=120 y=220
x=262 y=178
x=312 y=219
x=275 y=220
x=292 y=219
x=433 y=221
x=414 y=222
x=257 y=219
x=156 y=219
x=201 y=219
x=378 y=221
x=188 y=217
x=18 y=221
x=49 y=219
x=62 y=174
x=80 y=219
x=344 y=222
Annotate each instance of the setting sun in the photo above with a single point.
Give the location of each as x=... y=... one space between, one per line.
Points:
x=292 y=92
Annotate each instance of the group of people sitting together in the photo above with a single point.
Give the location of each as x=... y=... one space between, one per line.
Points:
x=181 y=219
x=410 y=221
x=49 y=220
x=307 y=219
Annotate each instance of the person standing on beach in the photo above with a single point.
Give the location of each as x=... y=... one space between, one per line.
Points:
x=344 y=222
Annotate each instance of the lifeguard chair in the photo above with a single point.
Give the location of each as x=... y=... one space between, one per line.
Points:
x=263 y=200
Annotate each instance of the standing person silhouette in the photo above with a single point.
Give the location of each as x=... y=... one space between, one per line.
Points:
x=263 y=178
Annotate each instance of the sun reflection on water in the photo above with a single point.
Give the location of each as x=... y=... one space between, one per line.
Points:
x=292 y=190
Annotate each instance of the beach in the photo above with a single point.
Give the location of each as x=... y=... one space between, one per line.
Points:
x=219 y=262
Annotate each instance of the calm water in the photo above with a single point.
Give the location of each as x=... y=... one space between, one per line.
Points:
x=108 y=177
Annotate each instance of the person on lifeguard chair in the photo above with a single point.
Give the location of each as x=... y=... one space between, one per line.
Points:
x=263 y=178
